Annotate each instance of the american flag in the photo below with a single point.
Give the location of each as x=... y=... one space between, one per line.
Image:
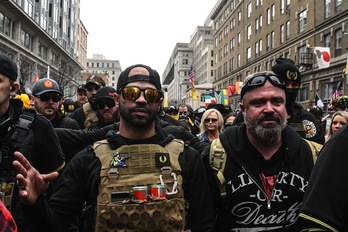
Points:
x=338 y=92
x=191 y=76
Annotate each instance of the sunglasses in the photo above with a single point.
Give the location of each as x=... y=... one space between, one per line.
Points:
x=92 y=87
x=210 y=120
x=133 y=93
x=258 y=81
x=46 y=97
x=108 y=103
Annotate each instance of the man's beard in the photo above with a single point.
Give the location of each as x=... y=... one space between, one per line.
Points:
x=269 y=132
x=126 y=114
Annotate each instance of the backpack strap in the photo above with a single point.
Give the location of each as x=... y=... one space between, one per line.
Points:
x=22 y=127
x=217 y=157
x=315 y=148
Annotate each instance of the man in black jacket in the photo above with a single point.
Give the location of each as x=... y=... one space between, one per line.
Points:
x=25 y=131
x=139 y=100
x=267 y=164
x=47 y=96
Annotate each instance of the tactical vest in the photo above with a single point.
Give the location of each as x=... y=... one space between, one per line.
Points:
x=90 y=115
x=18 y=138
x=132 y=167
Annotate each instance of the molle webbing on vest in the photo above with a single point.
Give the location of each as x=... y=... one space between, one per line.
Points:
x=90 y=114
x=135 y=165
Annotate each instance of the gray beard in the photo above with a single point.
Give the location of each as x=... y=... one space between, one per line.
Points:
x=266 y=134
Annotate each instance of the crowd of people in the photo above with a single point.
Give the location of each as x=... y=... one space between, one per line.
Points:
x=118 y=160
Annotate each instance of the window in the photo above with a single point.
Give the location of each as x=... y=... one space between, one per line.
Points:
x=282 y=6
x=268 y=16
x=288 y=30
x=238 y=60
x=249 y=10
x=184 y=61
x=260 y=20
x=239 y=16
x=338 y=6
x=273 y=12
x=327 y=8
x=302 y=21
x=338 y=42
x=268 y=41
x=6 y=25
x=257 y=24
x=327 y=39
x=26 y=39
x=249 y=32
x=42 y=51
x=248 y=54
x=282 y=34
x=256 y=48
x=239 y=39
x=272 y=39
x=302 y=94
x=260 y=45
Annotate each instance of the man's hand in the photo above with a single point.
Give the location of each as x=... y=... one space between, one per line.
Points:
x=30 y=182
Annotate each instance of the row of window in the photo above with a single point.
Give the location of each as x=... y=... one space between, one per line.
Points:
x=100 y=65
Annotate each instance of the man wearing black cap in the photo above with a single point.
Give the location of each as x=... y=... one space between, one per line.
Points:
x=46 y=96
x=87 y=114
x=134 y=179
x=299 y=119
x=81 y=96
x=107 y=112
x=266 y=165
x=22 y=130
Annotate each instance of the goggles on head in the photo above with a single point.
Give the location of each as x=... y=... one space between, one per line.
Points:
x=259 y=81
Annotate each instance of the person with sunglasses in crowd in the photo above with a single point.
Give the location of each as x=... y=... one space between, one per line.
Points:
x=87 y=114
x=113 y=176
x=302 y=121
x=47 y=96
x=26 y=131
x=266 y=163
x=212 y=123
x=107 y=110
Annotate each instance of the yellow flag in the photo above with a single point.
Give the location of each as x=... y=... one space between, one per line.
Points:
x=346 y=72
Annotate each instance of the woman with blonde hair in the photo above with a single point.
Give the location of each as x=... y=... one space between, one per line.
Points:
x=211 y=125
x=338 y=120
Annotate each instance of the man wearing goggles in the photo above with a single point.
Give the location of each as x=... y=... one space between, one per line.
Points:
x=139 y=100
x=264 y=157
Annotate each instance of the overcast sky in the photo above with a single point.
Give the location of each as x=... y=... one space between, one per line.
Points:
x=141 y=31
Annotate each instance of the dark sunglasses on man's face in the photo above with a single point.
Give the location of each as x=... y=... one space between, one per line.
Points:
x=109 y=103
x=133 y=93
x=92 y=87
x=47 y=96
x=258 y=81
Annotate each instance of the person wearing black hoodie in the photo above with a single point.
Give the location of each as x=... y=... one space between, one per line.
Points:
x=267 y=167
x=302 y=121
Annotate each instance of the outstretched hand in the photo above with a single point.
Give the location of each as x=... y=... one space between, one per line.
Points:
x=30 y=182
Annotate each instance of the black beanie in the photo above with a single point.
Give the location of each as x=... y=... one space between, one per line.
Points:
x=286 y=69
x=8 y=67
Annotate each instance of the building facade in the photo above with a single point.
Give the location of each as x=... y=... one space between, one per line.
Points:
x=176 y=75
x=250 y=35
x=41 y=36
x=108 y=69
